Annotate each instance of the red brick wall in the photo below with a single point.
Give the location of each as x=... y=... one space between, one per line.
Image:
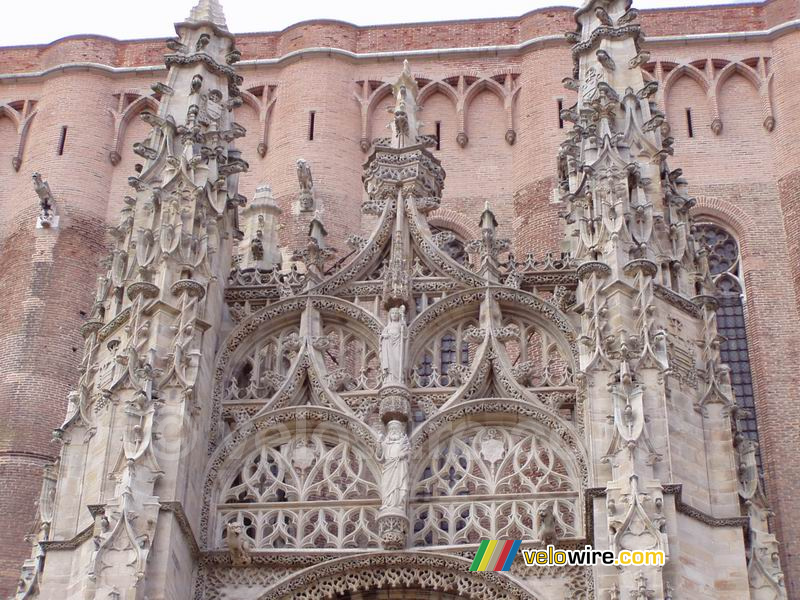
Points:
x=46 y=278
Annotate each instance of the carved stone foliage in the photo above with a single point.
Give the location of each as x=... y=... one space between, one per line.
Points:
x=491 y=482
x=318 y=477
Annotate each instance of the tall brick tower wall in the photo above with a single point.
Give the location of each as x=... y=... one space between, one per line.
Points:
x=317 y=90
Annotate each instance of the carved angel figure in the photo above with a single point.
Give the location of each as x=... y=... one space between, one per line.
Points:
x=394 y=452
x=393 y=347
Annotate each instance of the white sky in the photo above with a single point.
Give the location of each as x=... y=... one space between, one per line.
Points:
x=42 y=21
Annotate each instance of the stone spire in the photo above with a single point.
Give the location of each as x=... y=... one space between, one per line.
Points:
x=158 y=309
x=405 y=126
x=208 y=11
x=629 y=228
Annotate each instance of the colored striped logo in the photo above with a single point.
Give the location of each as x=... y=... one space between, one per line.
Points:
x=495 y=555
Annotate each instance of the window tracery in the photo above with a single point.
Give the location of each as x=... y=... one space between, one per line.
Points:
x=450 y=243
x=445 y=357
x=264 y=368
x=536 y=358
x=298 y=493
x=725 y=265
x=491 y=482
x=352 y=361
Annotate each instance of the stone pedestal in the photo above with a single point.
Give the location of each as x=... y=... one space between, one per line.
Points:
x=393 y=526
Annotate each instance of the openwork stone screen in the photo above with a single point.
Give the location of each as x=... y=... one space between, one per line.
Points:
x=307 y=491
x=490 y=483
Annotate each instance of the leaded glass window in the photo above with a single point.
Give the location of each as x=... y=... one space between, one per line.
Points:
x=724 y=263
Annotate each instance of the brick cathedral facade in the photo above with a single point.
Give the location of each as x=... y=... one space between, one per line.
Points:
x=326 y=307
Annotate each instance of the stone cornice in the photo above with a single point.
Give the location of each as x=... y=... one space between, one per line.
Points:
x=674 y=489
x=440 y=53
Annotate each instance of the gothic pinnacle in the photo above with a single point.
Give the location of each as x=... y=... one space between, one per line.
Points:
x=208 y=11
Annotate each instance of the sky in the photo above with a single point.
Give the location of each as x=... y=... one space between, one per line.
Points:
x=42 y=21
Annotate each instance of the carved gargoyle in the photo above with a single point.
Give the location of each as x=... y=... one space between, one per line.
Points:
x=47 y=205
x=546 y=525
x=239 y=545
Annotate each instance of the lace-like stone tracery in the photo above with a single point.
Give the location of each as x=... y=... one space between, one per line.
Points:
x=490 y=482
x=299 y=493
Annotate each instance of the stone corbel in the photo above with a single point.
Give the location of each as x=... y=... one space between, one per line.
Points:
x=263 y=105
x=367 y=99
x=713 y=104
x=766 y=97
x=511 y=90
x=21 y=113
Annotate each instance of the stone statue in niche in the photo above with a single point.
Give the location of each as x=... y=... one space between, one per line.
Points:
x=393 y=347
x=394 y=452
x=546 y=524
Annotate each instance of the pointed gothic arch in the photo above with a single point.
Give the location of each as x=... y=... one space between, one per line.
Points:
x=123 y=118
x=339 y=434
x=441 y=87
x=488 y=467
x=727 y=271
x=21 y=114
x=688 y=71
x=732 y=69
x=268 y=331
x=397 y=571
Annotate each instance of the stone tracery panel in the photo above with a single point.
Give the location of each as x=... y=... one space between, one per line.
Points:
x=262 y=371
x=298 y=492
x=352 y=360
x=537 y=359
x=492 y=482
x=445 y=357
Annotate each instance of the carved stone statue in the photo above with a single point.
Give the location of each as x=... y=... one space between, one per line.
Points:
x=393 y=347
x=238 y=545
x=546 y=525
x=306 y=197
x=394 y=454
x=47 y=210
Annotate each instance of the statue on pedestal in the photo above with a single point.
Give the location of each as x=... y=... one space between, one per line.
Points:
x=393 y=347
x=394 y=454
